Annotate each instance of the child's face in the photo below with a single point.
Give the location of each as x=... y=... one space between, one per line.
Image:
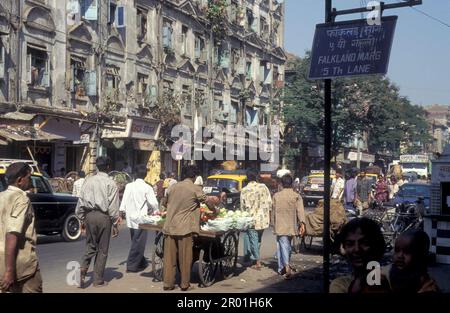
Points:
x=402 y=258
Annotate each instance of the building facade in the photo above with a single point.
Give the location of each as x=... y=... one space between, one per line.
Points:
x=96 y=77
x=439 y=120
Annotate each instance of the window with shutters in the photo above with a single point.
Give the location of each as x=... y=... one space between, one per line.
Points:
x=2 y=60
x=78 y=71
x=250 y=20
x=251 y=117
x=141 y=24
x=184 y=41
x=112 y=81
x=235 y=59
x=222 y=56
x=265 y=73
x=89 y=9
x=112 y=12
x=146 y=93
x=264 y=28
x=200 y=51
x=265 y=4
x=167 y=35
x=37 y=67
x=233 y=12
x=168 y=89
x=219 y=108
x=248 y=69
x=233 y=112
x=275 y=35
x=186 y=97
x=141 y=88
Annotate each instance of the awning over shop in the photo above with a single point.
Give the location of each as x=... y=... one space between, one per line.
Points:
x=3 y=143
x=65 y=129
x=26 y=133
x=17 y=116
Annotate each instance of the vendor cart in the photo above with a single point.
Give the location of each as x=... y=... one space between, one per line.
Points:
x=213 y=250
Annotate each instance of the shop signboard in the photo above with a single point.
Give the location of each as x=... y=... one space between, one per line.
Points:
x=136 y=128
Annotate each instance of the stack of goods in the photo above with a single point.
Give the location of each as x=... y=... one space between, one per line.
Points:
x=228 y=220
x=155 y=219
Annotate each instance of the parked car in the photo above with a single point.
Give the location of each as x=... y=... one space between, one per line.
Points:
x=54 y=212
x=411 y=192
x=314 y=190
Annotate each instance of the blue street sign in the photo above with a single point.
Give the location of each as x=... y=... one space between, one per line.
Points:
x=352 y=48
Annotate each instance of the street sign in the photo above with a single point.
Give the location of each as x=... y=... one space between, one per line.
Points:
x=352 y=48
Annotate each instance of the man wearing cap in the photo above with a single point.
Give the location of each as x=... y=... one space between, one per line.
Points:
x=19 y=268
x=98 y=210
x=139 y=200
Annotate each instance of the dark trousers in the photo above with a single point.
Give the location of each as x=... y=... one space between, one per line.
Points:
x=177 y=247
x=136 y=259
x=98 y=234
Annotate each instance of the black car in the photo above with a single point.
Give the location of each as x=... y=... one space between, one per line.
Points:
x=54 y=212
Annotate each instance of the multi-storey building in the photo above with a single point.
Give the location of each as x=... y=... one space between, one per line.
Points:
x=439 y=121
x=88 y=71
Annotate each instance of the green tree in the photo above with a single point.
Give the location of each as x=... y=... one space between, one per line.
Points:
x=370 y=105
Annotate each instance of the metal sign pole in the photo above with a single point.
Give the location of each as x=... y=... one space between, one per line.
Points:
x=324 y=66
x=327 y=168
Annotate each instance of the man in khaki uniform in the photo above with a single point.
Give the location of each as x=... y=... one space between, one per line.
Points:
x=288 y=219
x=183 y=220
x=19 y=268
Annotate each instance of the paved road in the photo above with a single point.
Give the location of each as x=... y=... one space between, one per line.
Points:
x=55 y=255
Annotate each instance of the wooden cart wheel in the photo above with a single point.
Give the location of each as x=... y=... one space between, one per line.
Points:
x=158 y=258
x=230 y=252
x=207 y=267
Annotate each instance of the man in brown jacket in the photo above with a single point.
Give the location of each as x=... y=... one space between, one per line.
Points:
x=288 y=219
x=183 y=220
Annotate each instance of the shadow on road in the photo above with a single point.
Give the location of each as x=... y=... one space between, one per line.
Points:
x=47 y=239
x=110 y=274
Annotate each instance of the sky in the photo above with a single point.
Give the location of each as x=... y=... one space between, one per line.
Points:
x=420 y=57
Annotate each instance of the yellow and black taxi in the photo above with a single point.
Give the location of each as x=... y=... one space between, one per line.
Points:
x=314 y=189
x=54 y=212
x=230 y=182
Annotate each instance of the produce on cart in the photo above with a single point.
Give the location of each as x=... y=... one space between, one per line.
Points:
x=225 y=220
x=215 y=248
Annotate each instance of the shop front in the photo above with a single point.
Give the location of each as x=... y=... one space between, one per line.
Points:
x=132 y=145
x=55 y=143
x=21 y=140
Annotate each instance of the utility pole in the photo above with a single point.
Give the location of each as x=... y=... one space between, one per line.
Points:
x=358 y=157
x=94 y=143
x=327 y=168
x=330 y=15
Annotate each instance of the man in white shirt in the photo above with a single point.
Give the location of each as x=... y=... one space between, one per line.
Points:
x=338 y=187
x=138 y=200
x=78 y=184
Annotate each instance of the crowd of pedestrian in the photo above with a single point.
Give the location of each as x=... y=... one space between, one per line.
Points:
x=101 y=211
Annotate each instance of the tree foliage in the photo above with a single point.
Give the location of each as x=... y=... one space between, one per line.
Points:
x=363 y=105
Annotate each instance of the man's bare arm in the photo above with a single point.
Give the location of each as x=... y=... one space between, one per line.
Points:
x=10 y=261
